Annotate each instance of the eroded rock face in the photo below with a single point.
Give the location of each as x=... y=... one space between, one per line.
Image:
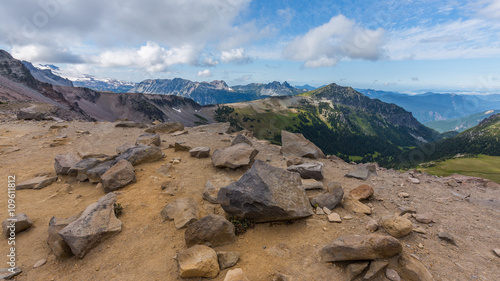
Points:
x=308 y=170
x=64 y=162
x=266 y=193
x=297 y=145
x=198 y=261
x=118 y=176
x=361 y=247
x=212 y=231
x=234 y=156
x=97 y=223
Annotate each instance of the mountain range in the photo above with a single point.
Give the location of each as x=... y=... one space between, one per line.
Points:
x=460 y=124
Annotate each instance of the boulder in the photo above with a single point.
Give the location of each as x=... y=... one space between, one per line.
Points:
x=80 y=169
x=234 y=156
x=353 y=205
x=18 y=223
x=241 y=139
x=122 y=148
x=235 y=275
x=361 y=247
x=266 y=193
x=118 y=176
x=181 y=146
x=297 y=145
x=97 y=223
x=198 y=261
x=424 y=218
x=56 y=243
x=362 y=192
x=148 y=140
x=412 y=269
x=36 y=183
x=312 y=184
x=227 y=259
x=308 y=170
x=329 y=199
x=212 y=231
x=94 y=175
x=363 y=172
x=141 y=154
x=130 y=124
x=183 y=211
x=64 y=162
x=213 y=186
x=200 y=152
x=167 y=127
x=397 y=226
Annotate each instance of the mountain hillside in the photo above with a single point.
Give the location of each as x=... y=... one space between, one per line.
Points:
x=460 y=124
x=338 y=119
x=47 y=76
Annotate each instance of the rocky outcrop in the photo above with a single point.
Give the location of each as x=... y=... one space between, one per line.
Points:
x=361 y=247
x=234 y=156
x=97 y=223
x=198 y=261
x=212 y=231
x=118 y=176
x=297 y=145
x=266 y=193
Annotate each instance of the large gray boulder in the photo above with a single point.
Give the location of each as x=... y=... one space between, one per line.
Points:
x=234 y=156
x=361 y=247
x=118 y=176
x=64 y=162
x=97 y=223
x=212 y=231
x=167 y=127
x=141 y=154
x=20 y=222
x=308 y=170
x=363 y=172
x=266 y=193
x=297 y=145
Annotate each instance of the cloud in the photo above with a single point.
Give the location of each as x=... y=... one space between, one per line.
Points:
x=286 y=16
x=491 y=10
x=339 y=39
x=415 y=79
x=243 y=78
x=236 y=56
x=204 y=73
x=45 y=54
x=151 y=57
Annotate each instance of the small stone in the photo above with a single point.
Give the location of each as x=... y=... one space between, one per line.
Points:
x=403 y=195
x=334 y=217
x=183 y=211
x=348 y=217
x=36 y=183
x=372 y=225
x=420 y=230
x=414 y=180
x=406 y=210
x=176 y=161
x=375 y=267
x=20 y=222
x=447 y=237
x=424 y=218
x=227 y=259
x=319 y=211
x=235 y=274
x=355 y=269
x=39 y=263
x=452 y=183
x=312 y=184
x=326 y=210
x=181 y=146
x=392 y=275
x=362 y=192
x=397 y=226
x=198 y=261
x=497 y=251
x=420 y=245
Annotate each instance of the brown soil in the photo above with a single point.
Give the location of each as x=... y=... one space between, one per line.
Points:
x=145 y=249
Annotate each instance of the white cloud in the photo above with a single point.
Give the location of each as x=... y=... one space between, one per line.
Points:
x=331 y=42
x=236 y=56
x=204 y=73
x=243 y=78
x=42 y=53
x=491 y=10
x=151 y=57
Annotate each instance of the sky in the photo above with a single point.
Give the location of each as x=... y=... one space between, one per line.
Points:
x=393 y=45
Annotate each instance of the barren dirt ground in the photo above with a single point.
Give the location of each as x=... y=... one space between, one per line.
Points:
x=145 y=249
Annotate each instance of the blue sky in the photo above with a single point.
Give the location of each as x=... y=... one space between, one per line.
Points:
x=405 y=45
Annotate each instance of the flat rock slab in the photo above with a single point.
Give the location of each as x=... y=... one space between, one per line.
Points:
x=266 y=193
x=353 y=205
x=361 y=247
x=97 y=223
x=298 y=145
x=198 y=261
x=141 y=154
x=118 y=176
x=308 y=170
x=130 y=124
x=36 y=183
x=200 y=152
x=234 y=156
x=183 y=211
x=20 y=222
x=212 y=231
x=312 y=184
x=363 y=172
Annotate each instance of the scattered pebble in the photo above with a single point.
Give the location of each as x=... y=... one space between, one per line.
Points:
x=447 y=237
x=348 y=217
x=392 y=275
x=497 y=251
x=403 y=195
x=334 y=217
x=39 y=263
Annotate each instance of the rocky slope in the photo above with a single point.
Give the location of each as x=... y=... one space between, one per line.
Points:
x=47 y=76
x=451 y=236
